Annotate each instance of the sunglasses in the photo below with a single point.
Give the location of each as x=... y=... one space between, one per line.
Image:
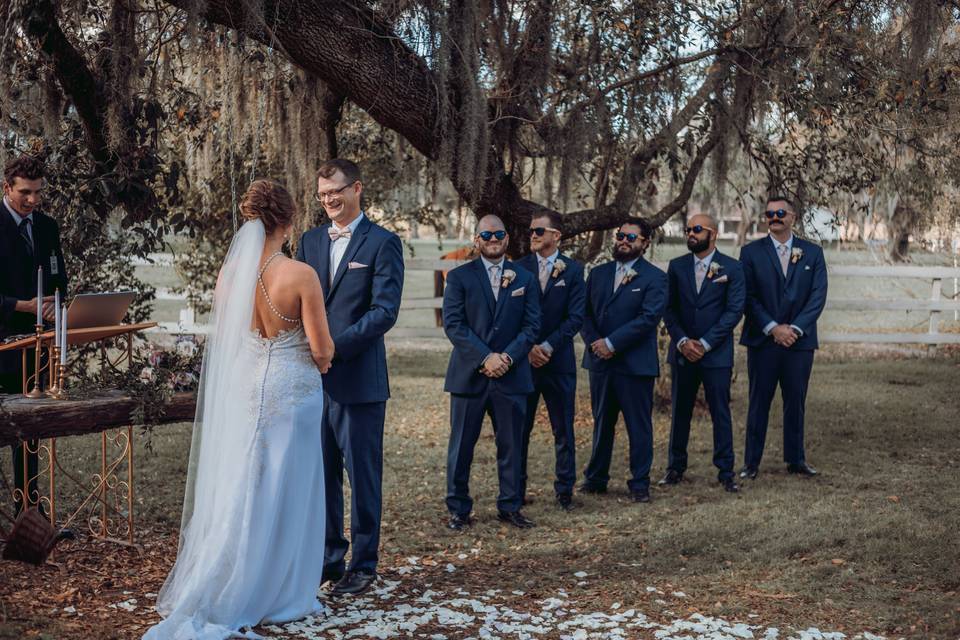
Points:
x=697 y=228
x=629 y=237
x=539 y=231
x=779 y=213
x=486 y=236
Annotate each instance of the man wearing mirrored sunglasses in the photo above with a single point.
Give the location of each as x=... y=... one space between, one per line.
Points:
x=563 y=294
x=491 y=315
x=706 y=301
x=786 y=280
x=625 y=301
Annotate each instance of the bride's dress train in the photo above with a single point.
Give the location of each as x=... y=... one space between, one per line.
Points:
x=251 y=548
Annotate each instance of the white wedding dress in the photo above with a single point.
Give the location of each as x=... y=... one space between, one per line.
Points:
x=251 y=542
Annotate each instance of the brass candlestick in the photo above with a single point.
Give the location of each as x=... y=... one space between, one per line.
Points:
x=54 y=365
x=35 y=392
x=61 y=384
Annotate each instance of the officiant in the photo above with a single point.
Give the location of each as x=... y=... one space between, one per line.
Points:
x=29 y=250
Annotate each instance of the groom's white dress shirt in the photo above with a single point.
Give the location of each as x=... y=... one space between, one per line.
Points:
x=339 y=246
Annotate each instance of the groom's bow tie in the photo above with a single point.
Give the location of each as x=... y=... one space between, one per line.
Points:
x=335 y=235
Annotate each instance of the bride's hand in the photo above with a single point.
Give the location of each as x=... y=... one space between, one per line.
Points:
x=324 y=368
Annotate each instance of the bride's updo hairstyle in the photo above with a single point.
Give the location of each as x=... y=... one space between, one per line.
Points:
x=270 y=202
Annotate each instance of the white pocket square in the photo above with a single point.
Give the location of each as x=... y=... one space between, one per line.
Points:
x=637 y=289
x=517 y=292
x=356 y=265
x=806 y=268
x=560 y=283
x=721 y=279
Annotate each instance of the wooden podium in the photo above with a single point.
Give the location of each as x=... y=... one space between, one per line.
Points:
x=42 y=419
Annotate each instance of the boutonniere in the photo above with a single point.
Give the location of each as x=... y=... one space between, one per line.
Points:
x=558 y=267
x=714 y=269
x=795 y=254
x=628 y=276
x=507 y=278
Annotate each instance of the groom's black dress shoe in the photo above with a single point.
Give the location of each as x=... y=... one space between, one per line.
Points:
x=354 y=583
x=459 y=522
x=749 y=472
x=672 y=477
x=330 y=576
x=803 y=469
x=516 y=519
x=729 y=485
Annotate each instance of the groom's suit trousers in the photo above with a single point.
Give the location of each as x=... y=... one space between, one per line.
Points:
x=352 y=437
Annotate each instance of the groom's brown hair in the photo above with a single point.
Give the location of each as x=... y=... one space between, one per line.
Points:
x=349 y=170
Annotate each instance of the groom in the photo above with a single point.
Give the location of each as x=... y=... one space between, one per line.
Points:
x=360 y=266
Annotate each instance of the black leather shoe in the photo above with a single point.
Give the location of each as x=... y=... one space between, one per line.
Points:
x=331 y=576
x=729 y=485
x=592 y=488
x=748 y=472
x=803 y=469
x=354 y=583
x=672 y=477
x=459 y=521
x=565 y=502
x=516 y=519
x=640 y=495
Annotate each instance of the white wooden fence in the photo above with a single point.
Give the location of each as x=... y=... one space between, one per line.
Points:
x=936 y=304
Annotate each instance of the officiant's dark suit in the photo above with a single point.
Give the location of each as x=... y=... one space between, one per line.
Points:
x=561 y=312
x=19 y=259
x=625 y=318
x=480 y=324
x=362 y=298
x=785 y=290
x=708 y=316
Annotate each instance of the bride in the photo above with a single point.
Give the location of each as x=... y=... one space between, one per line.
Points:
x=251 y=538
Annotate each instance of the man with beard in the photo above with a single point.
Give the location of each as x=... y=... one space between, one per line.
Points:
x=625 y=300
x=786 y=290
x=705 y=304
x=491 y=314
x=552 y=358
x=360 y=265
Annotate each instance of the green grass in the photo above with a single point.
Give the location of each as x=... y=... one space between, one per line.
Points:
x=871 y=544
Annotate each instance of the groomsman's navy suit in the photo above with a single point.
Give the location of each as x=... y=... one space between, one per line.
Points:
x=628 y=318
x=362 y=300
x=478 y=325
x=710 y=316
x=796 y=299
x=18 y=281
x=562 y=305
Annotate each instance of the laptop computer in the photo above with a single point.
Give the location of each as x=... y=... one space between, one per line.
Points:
x=98 y=309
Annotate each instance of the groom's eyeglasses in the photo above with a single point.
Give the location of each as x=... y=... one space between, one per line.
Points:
x=779 y=213
x=539 y=231
x=499 y=234
x=320 y=196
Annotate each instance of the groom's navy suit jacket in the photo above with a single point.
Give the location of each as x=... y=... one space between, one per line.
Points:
x=478 y=325
x=628 y=318
x=796 y=299
x=712 y=314
x=362 y=302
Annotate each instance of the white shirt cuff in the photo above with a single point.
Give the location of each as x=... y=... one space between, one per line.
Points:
x=609 y=344
x=706 y=345
x=681 y=341
x=767 y=329
x=546 y=347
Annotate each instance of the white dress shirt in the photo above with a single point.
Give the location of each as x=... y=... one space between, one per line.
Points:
x=705 y=261
x=339 y=246
x=624 y=266
x=776 y=247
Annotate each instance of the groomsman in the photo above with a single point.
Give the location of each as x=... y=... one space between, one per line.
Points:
x=625 y=301
x=28 y=239
x=706 y=300
x=786 y=290
x=563 y=295
x=360 y=265
x=491 y=314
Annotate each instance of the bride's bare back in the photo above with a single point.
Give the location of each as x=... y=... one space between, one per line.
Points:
x=293 y=289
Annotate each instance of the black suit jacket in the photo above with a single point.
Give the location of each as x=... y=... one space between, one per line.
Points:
x=18 y=275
